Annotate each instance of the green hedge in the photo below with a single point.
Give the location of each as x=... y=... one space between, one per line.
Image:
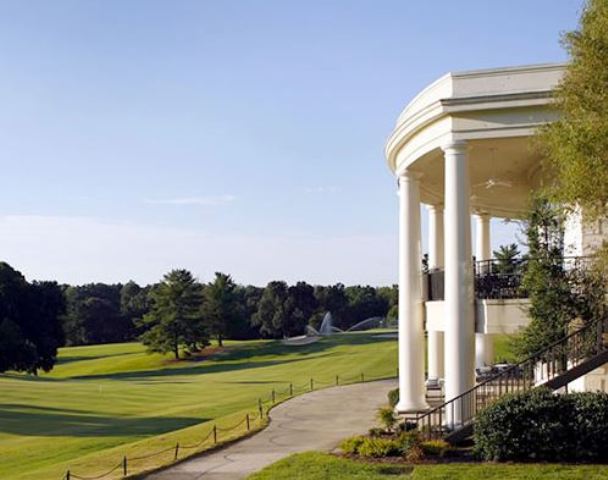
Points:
x=542 y=426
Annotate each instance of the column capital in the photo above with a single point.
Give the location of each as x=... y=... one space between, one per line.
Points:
x=409 y=175
x=454 y=147
x=482 y=215
x=435 y=207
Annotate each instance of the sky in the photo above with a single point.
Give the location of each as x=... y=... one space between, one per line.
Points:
x=243 y=136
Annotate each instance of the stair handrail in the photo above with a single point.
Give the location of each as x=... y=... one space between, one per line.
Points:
x=532 y=360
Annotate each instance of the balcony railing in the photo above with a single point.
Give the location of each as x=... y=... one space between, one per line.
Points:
x=497 y=279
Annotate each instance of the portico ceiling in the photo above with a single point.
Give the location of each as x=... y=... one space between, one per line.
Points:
x=496 y=112
x=502 y=174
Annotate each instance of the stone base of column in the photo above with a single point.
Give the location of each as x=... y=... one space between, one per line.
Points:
x=409 y=407
x=484 y=350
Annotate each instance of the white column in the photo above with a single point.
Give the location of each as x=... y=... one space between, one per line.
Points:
x=411 y=330
x=435 y=337
x=435 y=236
x=459 y=321
x=484 y=346
x=483 y=249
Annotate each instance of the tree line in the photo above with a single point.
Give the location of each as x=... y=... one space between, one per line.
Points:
x=179 y=314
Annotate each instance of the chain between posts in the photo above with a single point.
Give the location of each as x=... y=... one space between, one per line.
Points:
x=215 y=431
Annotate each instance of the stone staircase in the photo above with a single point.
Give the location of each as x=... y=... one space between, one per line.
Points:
x=561 y=363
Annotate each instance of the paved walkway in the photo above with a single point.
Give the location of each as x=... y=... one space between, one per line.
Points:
x=314 y=421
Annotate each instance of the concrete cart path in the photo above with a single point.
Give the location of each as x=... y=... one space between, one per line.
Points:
x=314 y=421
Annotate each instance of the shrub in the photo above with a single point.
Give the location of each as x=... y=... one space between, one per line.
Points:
x=375 y=432
x=589 y=420
x=407 y=440
x=351 y=445
x=387 y=417
x=542 y=426
x=414 y=454
x=379 y=447
x=434 y=448
x=393 y=397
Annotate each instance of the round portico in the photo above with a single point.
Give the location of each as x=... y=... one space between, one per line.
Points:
x=462 y=147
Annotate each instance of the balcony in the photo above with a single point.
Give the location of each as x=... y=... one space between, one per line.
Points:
x=496 y=279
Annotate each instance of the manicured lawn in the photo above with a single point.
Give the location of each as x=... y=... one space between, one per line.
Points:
x=103 y=402
x=319 y=466
x=503 y=351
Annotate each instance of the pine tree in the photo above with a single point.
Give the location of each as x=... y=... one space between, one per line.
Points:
x=175 y=320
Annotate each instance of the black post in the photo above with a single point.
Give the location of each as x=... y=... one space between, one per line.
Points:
x=312 y=387
x=214 y=434
x=247 y=418
x=176 y=451
x=291 y=389
x=68 y=476
x=273 y=396
x=337 y=380
x=362 y=378
x=124 y=466
x=261 y=411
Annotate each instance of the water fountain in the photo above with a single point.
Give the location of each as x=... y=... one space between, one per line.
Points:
x=372 y=322
x=327 y=327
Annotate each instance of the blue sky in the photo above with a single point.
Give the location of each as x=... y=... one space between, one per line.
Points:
x=242 y=136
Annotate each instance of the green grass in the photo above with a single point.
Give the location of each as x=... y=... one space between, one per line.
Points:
x=503 y=350
x=101 y=402
x=320 y=466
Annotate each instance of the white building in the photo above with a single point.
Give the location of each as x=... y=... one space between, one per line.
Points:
x=463 y=148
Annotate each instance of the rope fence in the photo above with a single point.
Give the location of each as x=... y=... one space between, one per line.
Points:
x=214 y=438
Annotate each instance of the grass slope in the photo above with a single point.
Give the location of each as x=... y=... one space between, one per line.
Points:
x=320 y=466
x=101 y=402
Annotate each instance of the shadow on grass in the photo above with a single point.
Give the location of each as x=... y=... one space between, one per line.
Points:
x=278 y=348
x=194 y=368
x=28 y=420
x=235 y=359
x=84 y=358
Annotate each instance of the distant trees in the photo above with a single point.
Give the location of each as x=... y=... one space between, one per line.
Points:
x=175 y=319
x=271 y=315
x=30 y=322
x=178 y=314
x=286 y=311
x=95 y=316
x=220 y=309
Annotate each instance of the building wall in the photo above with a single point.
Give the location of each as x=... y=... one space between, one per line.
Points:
x=594 y=234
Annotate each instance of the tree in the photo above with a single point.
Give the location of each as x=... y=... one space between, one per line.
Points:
x=299 y=307
x=220 y=309
x=506 y=258
x=331 y=298
x=30 y=322
x=546 y=281
x=43 y=324
x=94 y=315
x=134 y=302
x=247 y=299
x=175 y=319
x=363 y=302
x=102 y=321
x=576 y=145
x=271 y=315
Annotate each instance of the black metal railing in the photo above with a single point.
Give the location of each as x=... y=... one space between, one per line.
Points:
x=554 y=367
x=499 y=279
